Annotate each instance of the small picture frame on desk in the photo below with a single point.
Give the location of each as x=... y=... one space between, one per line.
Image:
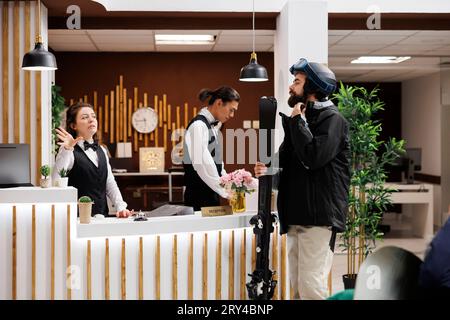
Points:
x=151 y=159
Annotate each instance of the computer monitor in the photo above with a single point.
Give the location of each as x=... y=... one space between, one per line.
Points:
x=409 y=162
x=14 y=165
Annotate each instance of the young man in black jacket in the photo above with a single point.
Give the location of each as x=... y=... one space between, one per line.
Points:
x=314 y=178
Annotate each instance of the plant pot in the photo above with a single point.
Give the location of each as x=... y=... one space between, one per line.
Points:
x=237 y=202
x=62 y=182
x=349 y=281
x=85 y=211
x=46 y=183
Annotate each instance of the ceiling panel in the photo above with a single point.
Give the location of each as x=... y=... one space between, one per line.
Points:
x=235 y=40
x=243 y=48
x=370 y=39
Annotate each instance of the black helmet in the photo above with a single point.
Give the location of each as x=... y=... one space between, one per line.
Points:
x=319 y=77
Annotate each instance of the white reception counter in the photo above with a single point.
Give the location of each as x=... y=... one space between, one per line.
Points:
x=46 y=254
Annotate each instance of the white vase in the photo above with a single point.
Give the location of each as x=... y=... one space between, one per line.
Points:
x=62 y=182
x=46 y=183
x=85 y=210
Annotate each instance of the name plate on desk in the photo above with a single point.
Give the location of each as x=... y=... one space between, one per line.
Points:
x=216 y=211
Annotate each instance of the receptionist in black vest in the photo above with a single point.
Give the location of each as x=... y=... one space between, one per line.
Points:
x=90 y=171
x=202 y=157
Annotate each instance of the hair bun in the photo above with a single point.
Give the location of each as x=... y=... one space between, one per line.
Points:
x=204 y=95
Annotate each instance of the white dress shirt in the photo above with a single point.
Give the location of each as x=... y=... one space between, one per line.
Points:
x=65 y=159
x=196 y=139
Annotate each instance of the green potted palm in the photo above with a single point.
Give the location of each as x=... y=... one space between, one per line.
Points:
x=63 y=179
x=46 y=181
x=85 y=209
x=368 y=195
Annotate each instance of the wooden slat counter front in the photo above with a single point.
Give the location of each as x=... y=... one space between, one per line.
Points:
x=46 y=254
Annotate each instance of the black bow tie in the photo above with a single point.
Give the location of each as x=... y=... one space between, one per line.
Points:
x=88 y=145
x=215 y=123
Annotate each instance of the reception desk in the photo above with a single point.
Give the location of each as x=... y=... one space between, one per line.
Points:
x=46 y=254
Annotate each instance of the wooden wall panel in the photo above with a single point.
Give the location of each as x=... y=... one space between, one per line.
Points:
x=5 y=72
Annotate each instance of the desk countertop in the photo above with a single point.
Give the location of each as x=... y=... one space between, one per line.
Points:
x=110 y=227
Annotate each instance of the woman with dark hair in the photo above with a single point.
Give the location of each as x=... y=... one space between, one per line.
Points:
x=90 y=171
x=202 y=160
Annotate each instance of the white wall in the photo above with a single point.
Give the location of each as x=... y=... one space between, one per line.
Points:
x=421 y=126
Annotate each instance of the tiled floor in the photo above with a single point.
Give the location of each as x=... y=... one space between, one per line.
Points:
x=399 y=236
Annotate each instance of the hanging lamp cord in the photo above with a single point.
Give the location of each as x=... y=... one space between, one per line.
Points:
x=253 y=26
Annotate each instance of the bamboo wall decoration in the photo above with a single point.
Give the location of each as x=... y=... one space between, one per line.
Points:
x=111 y=125
x=165 y=107
x=88 y=273
x=107 y=291
x=135 y=107
x=38 y=124
x=95 y=103
x=178 y=117
x=157 y=269
x=169 y=117
x=52 y=256
x=117 y=119
x=68 y=254
x=14 y=254
x=16 y=74
x=106 y=113
x=114 y=115
x=146 y=136
x=130 y=112
x=175 y=268
x=173 y=140
x=219 y=267
x=165 y=137
x=160 y=114
x=141 y=268
x=33 y=254
x=123 y=272
x=120 y=96
x=186 y=115
x=100 y=124
x=125 y=114
x=156 y=137
x=190 y=270
x=231 y=268
x=5 y=73
x=242 y=265
x=141 y=135
x=205 y=267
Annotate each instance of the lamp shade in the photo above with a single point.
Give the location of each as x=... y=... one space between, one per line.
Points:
x=253 y=72
x=39 y=59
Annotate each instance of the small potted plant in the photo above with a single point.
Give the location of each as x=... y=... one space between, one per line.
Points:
x=46 y=181
x=237 y=184
x=85 y=209
x=63 y=178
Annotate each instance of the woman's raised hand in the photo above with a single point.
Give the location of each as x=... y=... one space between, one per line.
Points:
x=66 y=138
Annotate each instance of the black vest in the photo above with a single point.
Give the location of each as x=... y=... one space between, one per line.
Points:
x=89 y=179
x=198 y=194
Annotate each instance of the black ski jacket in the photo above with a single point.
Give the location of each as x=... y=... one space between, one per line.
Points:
x=314 y=159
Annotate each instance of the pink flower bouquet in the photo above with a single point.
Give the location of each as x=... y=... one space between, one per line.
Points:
x=239 y=181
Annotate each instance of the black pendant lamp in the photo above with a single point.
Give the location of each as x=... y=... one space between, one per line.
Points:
x=253 y=72
x=39 y=59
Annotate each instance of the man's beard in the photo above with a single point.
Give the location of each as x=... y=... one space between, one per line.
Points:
x=294 y=99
